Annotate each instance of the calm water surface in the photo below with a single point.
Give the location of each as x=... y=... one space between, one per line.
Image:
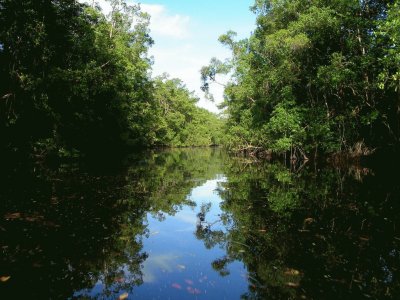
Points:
x=198 y=224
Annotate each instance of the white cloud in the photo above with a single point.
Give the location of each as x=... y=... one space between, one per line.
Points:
x=184 y=61
x=164 y=24
x=105 y=6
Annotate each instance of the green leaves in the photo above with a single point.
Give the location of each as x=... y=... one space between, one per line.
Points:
x=284 y=128
x=85 y=76
x=308 y=77
x=181 y=123
x=389 y=31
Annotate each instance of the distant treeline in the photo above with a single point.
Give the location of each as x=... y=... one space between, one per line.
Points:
x=319 y=76
x=74 y=81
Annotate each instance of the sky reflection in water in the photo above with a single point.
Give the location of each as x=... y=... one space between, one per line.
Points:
x=179 y=266
x=197 y=223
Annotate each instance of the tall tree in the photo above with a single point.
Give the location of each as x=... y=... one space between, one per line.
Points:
x=180 y=121
x=73 y=78
x=307 y=79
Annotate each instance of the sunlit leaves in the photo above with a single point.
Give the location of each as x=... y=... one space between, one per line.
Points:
x=180 y=122
x=389 y=29
x=284 y=128
x=320 y=63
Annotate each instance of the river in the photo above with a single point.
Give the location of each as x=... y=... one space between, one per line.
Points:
x=198 y=224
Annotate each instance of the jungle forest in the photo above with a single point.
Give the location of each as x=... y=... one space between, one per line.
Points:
x=117 y=184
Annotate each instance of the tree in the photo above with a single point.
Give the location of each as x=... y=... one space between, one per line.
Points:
x=316 y=63
x=180 y=121
x=73 y=78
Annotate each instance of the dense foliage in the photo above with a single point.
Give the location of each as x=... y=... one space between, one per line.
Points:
x=181 y=122
x=314 y=76
x=76 y=81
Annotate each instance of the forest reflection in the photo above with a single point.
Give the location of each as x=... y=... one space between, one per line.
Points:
x=305 y=233
x=310 y=233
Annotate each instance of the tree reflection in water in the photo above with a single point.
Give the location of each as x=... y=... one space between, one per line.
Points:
x=72 y=231
x=310 y=234
x=79 y=228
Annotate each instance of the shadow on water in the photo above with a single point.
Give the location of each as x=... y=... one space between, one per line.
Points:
x=67 y=228
x=74 y=231
x=316 y=234
x=64 y=229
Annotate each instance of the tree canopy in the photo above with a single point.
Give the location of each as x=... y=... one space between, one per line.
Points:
x=314 y=76
x=76 y=81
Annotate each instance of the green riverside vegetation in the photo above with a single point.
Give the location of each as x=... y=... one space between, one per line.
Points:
x=74 y=81
x=314 y=77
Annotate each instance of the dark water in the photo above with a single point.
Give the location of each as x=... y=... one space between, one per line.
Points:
x=198 y=224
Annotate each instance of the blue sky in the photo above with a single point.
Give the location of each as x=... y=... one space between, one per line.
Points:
x=186 y=36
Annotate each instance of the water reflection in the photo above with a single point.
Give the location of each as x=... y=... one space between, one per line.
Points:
x=312 y=234
x=63 y=230
x=197 y=223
